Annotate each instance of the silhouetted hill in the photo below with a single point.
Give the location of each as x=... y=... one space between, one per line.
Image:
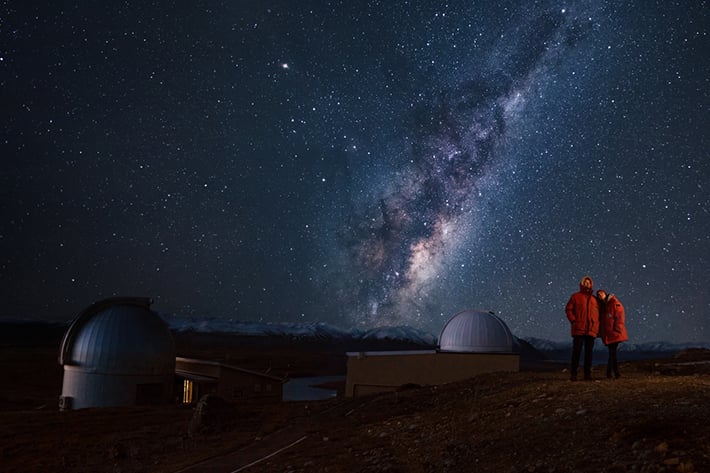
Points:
x=653 y=419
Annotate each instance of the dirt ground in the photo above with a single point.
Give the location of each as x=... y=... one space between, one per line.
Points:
x=656 y=418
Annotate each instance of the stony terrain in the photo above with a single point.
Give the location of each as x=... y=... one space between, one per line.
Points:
x=656 y=418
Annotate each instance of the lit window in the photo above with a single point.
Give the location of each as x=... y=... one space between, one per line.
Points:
x=187 y=387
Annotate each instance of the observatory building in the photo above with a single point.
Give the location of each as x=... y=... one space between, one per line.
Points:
x=117 y=352
x=472 y=342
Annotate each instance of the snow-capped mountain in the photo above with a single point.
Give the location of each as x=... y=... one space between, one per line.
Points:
x=325 y=331
x=318 y=330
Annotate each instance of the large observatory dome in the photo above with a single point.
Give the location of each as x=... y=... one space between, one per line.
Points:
x=117 y=352
x=476 y=331
x=119 y=335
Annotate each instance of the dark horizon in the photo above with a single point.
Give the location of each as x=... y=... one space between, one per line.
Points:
x=40 y=331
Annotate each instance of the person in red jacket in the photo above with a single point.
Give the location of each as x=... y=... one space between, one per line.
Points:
x=612 y=328
x=583 y=314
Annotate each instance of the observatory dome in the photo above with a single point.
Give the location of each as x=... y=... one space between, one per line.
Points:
x=119 y=335
x=476 y=331
x=117 y=352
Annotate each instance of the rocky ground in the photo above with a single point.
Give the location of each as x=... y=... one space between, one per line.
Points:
x=656 y=418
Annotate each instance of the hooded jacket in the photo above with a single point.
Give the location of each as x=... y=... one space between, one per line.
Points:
x=613 y=321
x=583 y=311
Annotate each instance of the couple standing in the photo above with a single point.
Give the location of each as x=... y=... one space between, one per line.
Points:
x=591 y=316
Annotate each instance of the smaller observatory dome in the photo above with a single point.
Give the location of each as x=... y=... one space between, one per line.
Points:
x=117 y=352
x=476 y=331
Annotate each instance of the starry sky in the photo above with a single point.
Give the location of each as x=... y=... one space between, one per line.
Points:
x=360 y=163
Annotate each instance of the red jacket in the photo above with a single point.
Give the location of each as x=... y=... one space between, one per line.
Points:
x=583 y=313
x=613 y=322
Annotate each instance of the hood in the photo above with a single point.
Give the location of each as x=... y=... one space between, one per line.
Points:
x=589 y=290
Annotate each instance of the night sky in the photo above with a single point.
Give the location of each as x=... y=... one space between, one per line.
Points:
x=360 y=163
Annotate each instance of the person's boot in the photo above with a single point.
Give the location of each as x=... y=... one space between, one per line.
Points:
x=608 y=371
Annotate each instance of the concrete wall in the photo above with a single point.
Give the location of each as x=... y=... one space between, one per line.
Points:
x=370 y=372
x=238 y=384
x=86 y=388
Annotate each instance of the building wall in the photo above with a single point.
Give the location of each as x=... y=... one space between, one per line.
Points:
x=376 y=372
x=238 y=385
x=230 y=382
x=91 y=389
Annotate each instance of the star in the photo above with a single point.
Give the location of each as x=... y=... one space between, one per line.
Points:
x=470 y=158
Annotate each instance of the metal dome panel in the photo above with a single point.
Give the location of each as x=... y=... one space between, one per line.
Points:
x=476 y=331
x=119 y=336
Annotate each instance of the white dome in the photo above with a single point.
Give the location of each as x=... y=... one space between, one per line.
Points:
x=121 y=336
x=117 y=352
x=476 y=331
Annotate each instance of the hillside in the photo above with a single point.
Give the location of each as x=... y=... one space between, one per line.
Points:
x=654 y=419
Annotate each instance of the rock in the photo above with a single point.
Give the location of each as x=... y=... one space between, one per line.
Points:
x=686 y=467
x=212 y=414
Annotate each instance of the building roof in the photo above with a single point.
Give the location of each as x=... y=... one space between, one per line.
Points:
x=196 y=363
x=196 y=377
x=361 y=354
x=120 y=335
x=476 y=331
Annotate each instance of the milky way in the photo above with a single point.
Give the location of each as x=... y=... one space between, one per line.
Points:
x=401 y=247
x=361 y=163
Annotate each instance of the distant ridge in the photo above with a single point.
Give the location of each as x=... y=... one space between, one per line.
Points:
x=658 y=346
x=29 y=332
x=316 y=330
x=15 y=331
